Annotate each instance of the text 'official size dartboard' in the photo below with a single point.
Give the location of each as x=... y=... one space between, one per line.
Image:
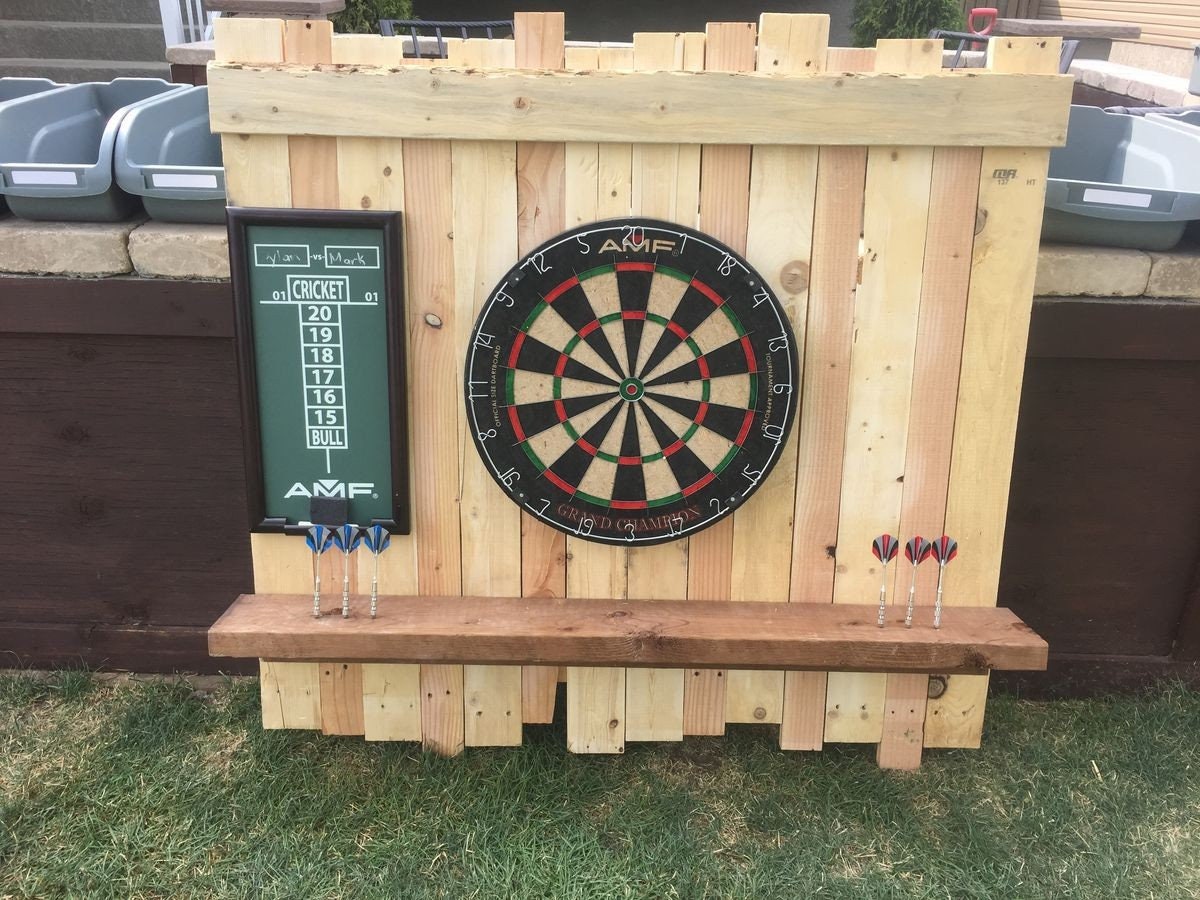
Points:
x=631 y=382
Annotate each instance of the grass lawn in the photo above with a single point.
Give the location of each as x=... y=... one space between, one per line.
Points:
x=152 y=790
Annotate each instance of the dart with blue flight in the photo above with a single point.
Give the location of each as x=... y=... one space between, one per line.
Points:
x=916 y=551
x=377 y=540
x=347 y=538
x=319 y=539
x=944 y=549
x=885 y=547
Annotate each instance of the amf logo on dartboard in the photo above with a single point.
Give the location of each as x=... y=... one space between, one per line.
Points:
x=631 y=382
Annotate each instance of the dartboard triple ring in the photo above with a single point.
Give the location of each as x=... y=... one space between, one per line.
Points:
x=631 y=382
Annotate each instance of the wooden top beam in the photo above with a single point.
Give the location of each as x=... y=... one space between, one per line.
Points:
x=628 y=633
x=952 y=108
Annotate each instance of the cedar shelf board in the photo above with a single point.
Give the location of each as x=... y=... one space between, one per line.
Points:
x=673 y=634
x=974 y=108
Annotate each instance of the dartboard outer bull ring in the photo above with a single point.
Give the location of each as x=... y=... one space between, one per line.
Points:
x=631 y=382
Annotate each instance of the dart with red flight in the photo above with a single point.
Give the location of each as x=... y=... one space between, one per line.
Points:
x=916 y=551
x=944 y=549
x=885 y=548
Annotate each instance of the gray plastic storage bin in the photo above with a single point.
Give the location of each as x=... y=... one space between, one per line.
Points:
x=167 y=155
x=14 y=89
x=56 y=150
x=1122 y=181
x=1186 y=121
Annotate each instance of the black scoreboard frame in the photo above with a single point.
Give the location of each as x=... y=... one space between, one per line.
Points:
x=390 y=224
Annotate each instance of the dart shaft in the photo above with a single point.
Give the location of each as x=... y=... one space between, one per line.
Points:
x=316 y=596
x=937 y=606
x=374 y=596
x=883 y=597
x=912 y=599
x=346 y=587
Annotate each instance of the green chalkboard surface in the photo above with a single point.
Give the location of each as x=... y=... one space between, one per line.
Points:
x=320 y=344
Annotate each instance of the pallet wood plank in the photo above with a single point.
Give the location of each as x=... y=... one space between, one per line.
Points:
x=313 y=159
x=665 y=185
x=724 y=212
x=290 y=694
x=999 y=302
x=946 y=275
x=590 y=631
x=597 y=186
x=313 y=164
x=541 y=171
x=779 y=241
x=342 y=698
x=966 y=109
x=435 y=401
x=886 y=311
x=257 y=173
x=821 y=424
x=371 y=176
x=485 y=207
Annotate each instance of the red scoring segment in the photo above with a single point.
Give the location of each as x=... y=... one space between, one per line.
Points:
x=561 y=289
x=708 y=292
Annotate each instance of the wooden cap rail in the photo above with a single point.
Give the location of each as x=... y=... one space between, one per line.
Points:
x=510 y=631
x=975 y=108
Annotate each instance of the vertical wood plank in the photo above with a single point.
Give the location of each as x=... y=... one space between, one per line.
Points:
x=947 y=272
x=257 y=174
x=999 y=301
x=541 y=168
x=665 y=185
x=391 y=700
x=290 y=694
x=370 y=176
x=887 y=306
x=485 y=207
x=313 y=165
x=313 y=159
x=724 y=212
x=597 y=187
x=341 y=698
x=821 y=426
x=435 y=401
x=779 y=243
x=256 y=166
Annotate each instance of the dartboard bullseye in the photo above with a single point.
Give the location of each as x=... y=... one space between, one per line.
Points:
x=631 y=382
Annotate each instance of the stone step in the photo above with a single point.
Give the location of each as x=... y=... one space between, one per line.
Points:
x=130 y=11
x=70 y=71
x=82 y=40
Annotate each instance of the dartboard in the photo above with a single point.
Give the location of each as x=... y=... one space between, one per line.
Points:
x=631 y=382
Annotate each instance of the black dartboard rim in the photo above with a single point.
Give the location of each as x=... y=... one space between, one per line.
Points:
x=681 y=493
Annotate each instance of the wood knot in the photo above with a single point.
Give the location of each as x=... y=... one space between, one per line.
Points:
x=760 y=713
x=74 y=433
x=794 y=276
x=521 y=103
x=91 y=508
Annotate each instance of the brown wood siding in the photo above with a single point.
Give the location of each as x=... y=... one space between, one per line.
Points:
x=120 y=467
x=1167 y=24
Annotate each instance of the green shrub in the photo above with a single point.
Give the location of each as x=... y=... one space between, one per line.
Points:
x=362 y=16
x=875 y=19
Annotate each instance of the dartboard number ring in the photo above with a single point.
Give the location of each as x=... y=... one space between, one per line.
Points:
x=631 y=382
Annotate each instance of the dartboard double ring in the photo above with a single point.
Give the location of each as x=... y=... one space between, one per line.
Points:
x=631 y=382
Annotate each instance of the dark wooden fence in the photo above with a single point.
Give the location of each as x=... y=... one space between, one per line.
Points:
x=124 y=509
